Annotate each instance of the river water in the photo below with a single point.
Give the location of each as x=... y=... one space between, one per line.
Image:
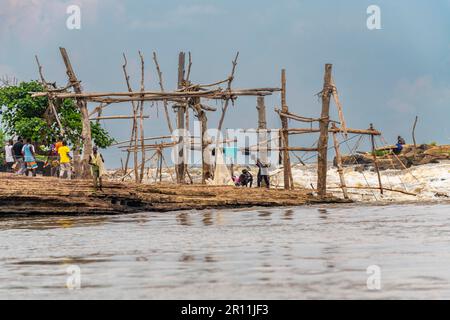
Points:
x=312 y=252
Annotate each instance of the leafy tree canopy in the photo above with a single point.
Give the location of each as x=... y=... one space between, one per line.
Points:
x=2 y=145
x=32 y=118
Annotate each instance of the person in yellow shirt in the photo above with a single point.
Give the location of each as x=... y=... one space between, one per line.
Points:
x=64 y=161
x=58 y=144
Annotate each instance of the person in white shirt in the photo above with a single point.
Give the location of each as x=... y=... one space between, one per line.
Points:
x=9 y=157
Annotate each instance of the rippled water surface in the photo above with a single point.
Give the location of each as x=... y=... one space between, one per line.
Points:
x=283 y=253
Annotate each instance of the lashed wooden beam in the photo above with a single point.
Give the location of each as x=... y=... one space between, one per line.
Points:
x=116 y=118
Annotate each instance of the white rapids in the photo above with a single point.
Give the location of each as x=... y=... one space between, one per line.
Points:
x=429 y=182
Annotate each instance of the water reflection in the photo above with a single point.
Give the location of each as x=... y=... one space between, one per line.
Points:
x=209 y=258
x=61 y=261
x=323 y=214
x=288 y=214
x=48 y=223
x=187 y=258
x=207 y=219
x=184 y=219
x=265 y=215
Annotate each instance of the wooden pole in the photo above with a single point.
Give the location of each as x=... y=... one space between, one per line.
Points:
x=339 y=107
x=134 y=136
x=50 y=100
x=322 y=162
x=414 y=135
x=180 y=167
x=86 y=124
x=98 y=118
x=340 y=169
x=261 y=107
x=227 y=101
x=206 y=153
x=375 y=161
x=262 y=136
x=285 y=135
x=161 y=85
x=141 y=120
x=160 y=164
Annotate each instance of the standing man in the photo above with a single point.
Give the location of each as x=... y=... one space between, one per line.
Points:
x=263 y=173
x=97 y=168
x=64 y=161
x=18 y=157
x=29 y=155
x=9 y=156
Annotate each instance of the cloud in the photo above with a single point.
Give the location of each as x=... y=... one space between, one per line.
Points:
x=36 y=20
x=422 y=93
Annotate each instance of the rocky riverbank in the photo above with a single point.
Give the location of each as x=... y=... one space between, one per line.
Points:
x=51 y=196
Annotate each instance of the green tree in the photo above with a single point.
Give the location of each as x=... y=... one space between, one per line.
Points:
x=32 y=118
x=2 y=145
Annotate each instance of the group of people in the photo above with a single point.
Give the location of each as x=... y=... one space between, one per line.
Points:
x=20 y=158
x=245 y=179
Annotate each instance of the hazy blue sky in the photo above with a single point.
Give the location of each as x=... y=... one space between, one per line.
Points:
x=385 y=76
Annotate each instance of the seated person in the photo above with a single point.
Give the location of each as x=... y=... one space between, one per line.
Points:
x=246 y=179
x=399 y=146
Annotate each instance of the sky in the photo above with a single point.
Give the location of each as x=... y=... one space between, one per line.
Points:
x=386 y=76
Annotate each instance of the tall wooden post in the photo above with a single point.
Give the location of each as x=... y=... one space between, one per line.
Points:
x=141 y=121
x=134 y=131
x=82 y=105
x=375 y=160
x=339 y=163
x=285 y=134
x=206 y=153
x=322 y=161
x=180 y=167
x=160 y=164
x=262 y=135
x=261 y=107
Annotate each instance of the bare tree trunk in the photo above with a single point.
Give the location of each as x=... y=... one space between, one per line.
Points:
x=77 y=160
x=134 y=134
x=262 y=136
x=285 y=135
x=339 y=165
x=414 y=135
x=375 y=161
x=206 y=154
x=82 y=105
x=180 y=166
x=161 y=85
x=141 y=120
x=322 y=164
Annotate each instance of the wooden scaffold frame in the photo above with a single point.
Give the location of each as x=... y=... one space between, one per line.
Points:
x=187 y=96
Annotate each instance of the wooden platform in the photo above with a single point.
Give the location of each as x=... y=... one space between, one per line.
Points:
x=51 y=196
